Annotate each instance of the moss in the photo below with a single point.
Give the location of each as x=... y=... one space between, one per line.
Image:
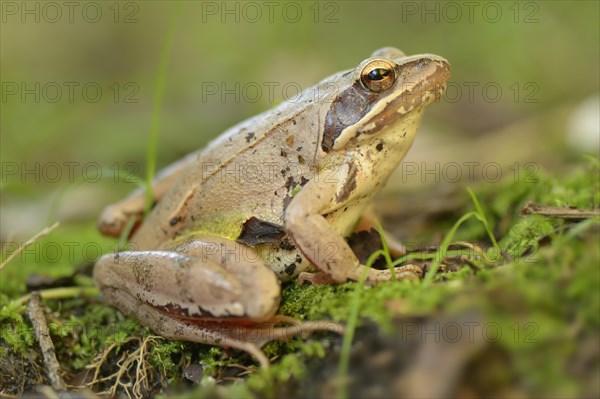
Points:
x=13 y=329
x=525 y=234
x=544 y=299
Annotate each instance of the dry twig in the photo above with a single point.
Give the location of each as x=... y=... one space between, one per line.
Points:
x=531 y=208
x=36 y=315
x=33 y=239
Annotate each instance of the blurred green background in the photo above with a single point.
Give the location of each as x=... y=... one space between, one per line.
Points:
x=513 y=63
x=77 y=87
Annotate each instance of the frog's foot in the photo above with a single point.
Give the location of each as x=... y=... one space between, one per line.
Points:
x=407 y=272
x=114 y=218
x=243 y=335
x=203 y=290
x=171 y=327
x=250 y=337
x=298 y=327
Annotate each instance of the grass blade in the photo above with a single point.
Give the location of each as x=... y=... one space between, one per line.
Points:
x=159 y=89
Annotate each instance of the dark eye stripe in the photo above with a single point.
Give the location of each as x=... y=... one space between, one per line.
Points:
x=347 y=109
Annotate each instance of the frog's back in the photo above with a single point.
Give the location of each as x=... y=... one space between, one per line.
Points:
x=248 y=171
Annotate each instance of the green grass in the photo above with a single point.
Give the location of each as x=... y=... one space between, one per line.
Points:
x=159 y=89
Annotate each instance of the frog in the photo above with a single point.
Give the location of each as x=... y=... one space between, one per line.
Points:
x=270 y=200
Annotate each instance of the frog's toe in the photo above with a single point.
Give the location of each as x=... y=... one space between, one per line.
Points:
x=112 y=222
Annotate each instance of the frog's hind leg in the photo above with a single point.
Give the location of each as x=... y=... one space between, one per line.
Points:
x=262 y=328
x=204 y=289
x=247 y=338
x=171 y=327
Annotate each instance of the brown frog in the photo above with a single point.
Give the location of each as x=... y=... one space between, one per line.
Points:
x=270 y=198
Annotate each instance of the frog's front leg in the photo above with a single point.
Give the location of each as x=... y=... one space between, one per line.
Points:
x=327 y=250
x=206 y=289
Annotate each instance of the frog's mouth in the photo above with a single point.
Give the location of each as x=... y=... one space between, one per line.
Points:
x=421 y=80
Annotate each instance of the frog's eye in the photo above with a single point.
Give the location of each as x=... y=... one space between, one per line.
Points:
x=378 y=75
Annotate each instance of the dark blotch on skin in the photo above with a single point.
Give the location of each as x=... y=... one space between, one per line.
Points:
x=290 y=269
x=257 y=231
x=174 y=309
x=289 y=141
x=379 y=147
x=175 y=220
x=249 y=137
x=349 y=184
x=287 y=244
x=347 y=109
x=289 y=183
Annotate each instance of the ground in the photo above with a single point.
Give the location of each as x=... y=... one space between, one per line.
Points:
x=519 y=318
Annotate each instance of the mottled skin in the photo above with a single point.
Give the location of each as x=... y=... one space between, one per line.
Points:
x=268 y=199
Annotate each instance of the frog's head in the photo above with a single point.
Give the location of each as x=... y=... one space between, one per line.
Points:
x=378 y=95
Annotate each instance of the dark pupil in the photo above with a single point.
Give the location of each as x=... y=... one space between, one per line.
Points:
x=378 y=73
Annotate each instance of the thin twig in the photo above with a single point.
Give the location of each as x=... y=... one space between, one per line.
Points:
x=36 y=315
x=61 y=293
x=531 y=208
x=33 y=239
